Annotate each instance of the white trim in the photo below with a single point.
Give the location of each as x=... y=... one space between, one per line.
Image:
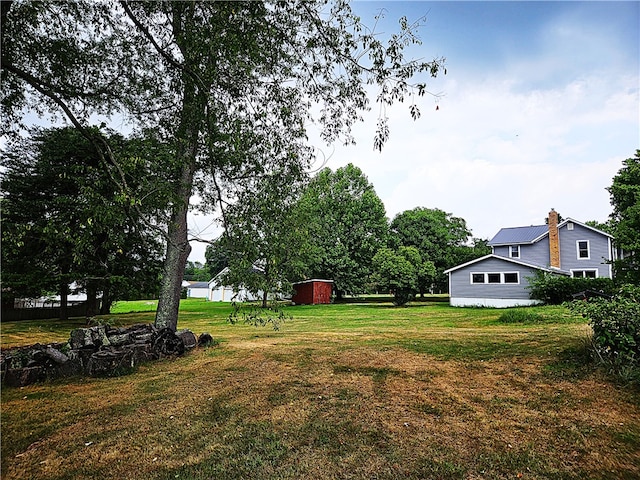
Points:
x=511 y=253
x=588 y=257
x=320 y=280
x=573 y=270
x=492 y=302
x=584 y=225
x=612 y=257
x=507 y=259
x=485 y=276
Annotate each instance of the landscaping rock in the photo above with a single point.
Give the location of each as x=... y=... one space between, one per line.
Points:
x=95 y=351
x=167 y=343
x=205 y=340
x=188 y=338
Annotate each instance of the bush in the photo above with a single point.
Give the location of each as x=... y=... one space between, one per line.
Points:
x=520 y=315
x=616 y=328
x=555 y=289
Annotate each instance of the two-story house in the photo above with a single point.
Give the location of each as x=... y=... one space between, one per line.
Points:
x=501 y=279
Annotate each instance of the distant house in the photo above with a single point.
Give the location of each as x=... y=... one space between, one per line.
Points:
x=217 y=291
x=500 y=279
x=197 y=289
x=312 y=292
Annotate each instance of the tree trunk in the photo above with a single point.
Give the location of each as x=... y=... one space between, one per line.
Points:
x=92 y=299
x=64 y=295
x=178 y=250
x=107 y=301
x=192 y=120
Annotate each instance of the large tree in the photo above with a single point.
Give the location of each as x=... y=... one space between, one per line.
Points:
x=223 y=82
x=625 y=199
x=63 y=221
x=439 y=237
x=349 y=225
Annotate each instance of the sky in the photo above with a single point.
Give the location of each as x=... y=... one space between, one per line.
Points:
x=539 y=107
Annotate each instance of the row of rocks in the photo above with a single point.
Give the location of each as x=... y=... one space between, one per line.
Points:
x=95 y=351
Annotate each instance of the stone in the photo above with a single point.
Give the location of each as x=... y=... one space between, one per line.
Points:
x=56 y=355
x=168 y=343
x=188 y=338
x=94 y=351
x=119 y=339
x=205 y=340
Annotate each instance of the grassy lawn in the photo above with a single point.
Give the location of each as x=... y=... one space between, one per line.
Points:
x=356 y=390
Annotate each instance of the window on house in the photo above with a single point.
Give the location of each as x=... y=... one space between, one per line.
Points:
x=514 y=251
x=493 y=277
x=584 y=273
x=511 y=277
x=496 y=278
x=583 y=249
x=570 y=226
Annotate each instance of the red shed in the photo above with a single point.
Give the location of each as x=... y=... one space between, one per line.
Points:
x=312 y=292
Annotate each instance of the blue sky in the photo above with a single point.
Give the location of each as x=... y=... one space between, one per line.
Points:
x=541 y=106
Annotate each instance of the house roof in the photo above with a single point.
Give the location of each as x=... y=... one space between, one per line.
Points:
x=516 y=235
x=510 y=260
x=198 y=285
x=532 y=234
x=313 y=280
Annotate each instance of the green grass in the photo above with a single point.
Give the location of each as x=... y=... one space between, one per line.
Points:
x=356 y=390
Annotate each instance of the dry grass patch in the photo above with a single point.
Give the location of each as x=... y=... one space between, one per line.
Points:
x=477 y=402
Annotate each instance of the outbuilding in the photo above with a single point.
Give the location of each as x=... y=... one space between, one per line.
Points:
x=312 y=292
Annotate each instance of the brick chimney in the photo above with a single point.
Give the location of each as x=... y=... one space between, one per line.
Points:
x=554 y=240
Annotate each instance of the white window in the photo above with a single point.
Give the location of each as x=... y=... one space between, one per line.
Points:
x=477 y=278
x=570 y=226
x=584 y=273
x=495 y=277
x=582 y=247
x=514 y=251
x=511 y=277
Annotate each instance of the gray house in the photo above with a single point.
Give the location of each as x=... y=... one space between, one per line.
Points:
x=500 y=279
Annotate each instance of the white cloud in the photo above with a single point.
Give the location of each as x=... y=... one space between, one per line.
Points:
x=499 y=156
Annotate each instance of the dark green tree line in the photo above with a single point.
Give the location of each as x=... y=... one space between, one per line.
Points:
x=64 y=221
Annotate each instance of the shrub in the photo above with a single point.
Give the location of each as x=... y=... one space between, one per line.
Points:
x=555 y=289
x=520 y=315
x=616 y=328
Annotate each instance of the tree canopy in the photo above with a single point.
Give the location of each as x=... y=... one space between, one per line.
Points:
x=401 y=272
x=348 y=226
x=64 y=221
x=439 y=237
x=625 y=199
x=230 y=86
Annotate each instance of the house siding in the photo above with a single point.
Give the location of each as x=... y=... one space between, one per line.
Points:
x=461 y=286
x=536 y=253
x=599 y=250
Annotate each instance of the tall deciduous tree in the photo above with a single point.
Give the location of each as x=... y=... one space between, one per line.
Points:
x=438 y=236
x=349 y=226
x=63 y=221
x=625 y=199
x=224 y=83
